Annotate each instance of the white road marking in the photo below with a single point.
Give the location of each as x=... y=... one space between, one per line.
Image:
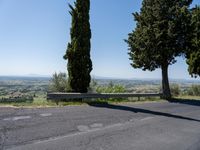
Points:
x=147 y=118
x=132 y=120
x=96 y=125
x=17 y=118
x=46 y=115
x=83 y=128
x=7 y=119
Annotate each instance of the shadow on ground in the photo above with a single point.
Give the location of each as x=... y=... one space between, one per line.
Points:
x=185 y=101
x=140 y=110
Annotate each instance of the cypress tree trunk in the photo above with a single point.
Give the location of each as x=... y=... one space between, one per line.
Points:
x=165 y=83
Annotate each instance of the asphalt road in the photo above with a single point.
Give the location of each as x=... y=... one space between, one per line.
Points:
x=149 y=126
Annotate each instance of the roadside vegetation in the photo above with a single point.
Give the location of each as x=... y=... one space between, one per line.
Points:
x=164 y=31
x=58 y=83
x=32 y=92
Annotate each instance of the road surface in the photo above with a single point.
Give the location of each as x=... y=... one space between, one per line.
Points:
x=149 y=126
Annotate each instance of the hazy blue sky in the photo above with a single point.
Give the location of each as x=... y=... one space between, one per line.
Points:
x=34 y=36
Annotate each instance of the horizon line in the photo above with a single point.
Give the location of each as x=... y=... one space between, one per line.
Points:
x=100 y=77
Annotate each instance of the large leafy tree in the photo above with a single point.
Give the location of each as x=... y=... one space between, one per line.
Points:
x=193 y=55
x=78 y=50
x=161 y=34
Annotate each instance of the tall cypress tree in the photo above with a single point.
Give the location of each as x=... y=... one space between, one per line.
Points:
x=78 y=51
x=193 y=55
x=160 y=35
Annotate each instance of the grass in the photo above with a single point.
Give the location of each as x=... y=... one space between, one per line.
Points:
x=188 y=97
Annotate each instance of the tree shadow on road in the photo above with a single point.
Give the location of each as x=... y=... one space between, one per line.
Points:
x=140 y=110
x=185 y=101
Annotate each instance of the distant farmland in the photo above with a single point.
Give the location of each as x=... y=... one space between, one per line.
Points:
x=30 y=87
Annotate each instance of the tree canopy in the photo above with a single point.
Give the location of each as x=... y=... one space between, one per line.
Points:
x=193 y=56
x=161 y=34
x=78 y=51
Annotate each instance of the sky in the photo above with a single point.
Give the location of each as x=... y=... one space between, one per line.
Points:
x=34 y=36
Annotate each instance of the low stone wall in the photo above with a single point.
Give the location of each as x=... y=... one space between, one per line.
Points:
x=60 y=96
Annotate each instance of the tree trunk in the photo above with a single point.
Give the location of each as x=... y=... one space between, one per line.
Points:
x=165 y=83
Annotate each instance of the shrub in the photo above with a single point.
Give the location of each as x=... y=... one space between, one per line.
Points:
x=175 y=89
x=93 y=86
x=110 y=89
x=58 y=83
x=194 y=90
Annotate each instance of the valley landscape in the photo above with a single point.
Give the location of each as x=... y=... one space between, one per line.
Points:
x=28 y=89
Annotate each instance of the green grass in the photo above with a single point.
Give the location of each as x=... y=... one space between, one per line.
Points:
x=186 y=97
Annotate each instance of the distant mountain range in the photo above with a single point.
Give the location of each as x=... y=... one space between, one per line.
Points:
x=4 y=78
x=37 y=75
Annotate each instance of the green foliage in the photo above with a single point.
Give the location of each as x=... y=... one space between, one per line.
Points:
x=193 y=56
x=161 y=34
x=194 y=90
x=58 y=83
x=93 y=86
x=78 y=51
x=16 y=100
x=111 y=88
x=175 y=90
